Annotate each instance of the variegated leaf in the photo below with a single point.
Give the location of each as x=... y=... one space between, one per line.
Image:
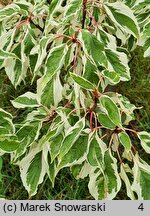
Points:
x=112 y=76
x=72 y=8
x=111 y=110
x=123 y=17
x=118 y=62
x=6 y=125
x=52 y=133
x=55 y=144
x=16 y=69
x=4 y=55
x=27 y=135
x=90 y=71
x=96 y=151
x=126 y=180
x=141 y=173
x=83 y=82
x=8 y=11
x=145 y=140
x=33 y=168
x=125 y=140
x=9 y=143
x=105 y=184
x=76 y=154
x=105 y=121
x=28 y=99
x=80 y=171
x=42 y=53
x=95 y=54
x=71 y=137
x=52 y=172
x=54 y=61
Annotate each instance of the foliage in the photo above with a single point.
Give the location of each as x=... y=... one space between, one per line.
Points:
x=74 y=50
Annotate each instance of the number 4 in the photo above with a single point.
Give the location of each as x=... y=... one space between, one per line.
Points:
x=141 y=207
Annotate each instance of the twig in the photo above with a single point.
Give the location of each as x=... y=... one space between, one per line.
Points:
x=103 y=136
x=84 y=13
x=91 y=118
x=133 y=131
x=95 y=120
x=75 y=57
x=37 y=26
x=110 y=142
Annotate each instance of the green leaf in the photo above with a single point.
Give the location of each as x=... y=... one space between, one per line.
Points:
x=94 y=156
x=80 y=171
x=55 y=144
x=127 y=108
x=90 y=71
x=8 y=11
x=49 y=84
x=76 y=154
x=33 y=168
x=123 y=17
x=53 y=133
x=145 y=140
x=146 y=47
x=6 y=125
x=53 y=6
x=144 y=181
x=72 y=8
x=32 y=62
x=107 y=39
x=146 y=31
x=118 y=62
x=97 y=186
x=105 y=121
x=70 y=138
x=37 y=115
x=24 y=5
x=110 y=108
x=4 y=55
x=28 y=99
x=82 y=82
x=112 y=76
x=54 y=61
x=141 y=183
x=34 y=171
x=42 y=51
x=47 y=94
x=111 y=171
x=8 y=144
x=92 y=47
x=16 y=69
x=125 y=140
x=125 y=178
x=28 y=42
x=105 y=184
x=51 y=170
x=27 y=134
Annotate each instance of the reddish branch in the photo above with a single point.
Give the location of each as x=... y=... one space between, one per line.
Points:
x=84 y=13
x=96 y=97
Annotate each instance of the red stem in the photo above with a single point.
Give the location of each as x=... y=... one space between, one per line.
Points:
x=75 y=57
x=95 y=120
x=91 y=118
x=84 y=13
x=110 y=142
x=133 y=131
